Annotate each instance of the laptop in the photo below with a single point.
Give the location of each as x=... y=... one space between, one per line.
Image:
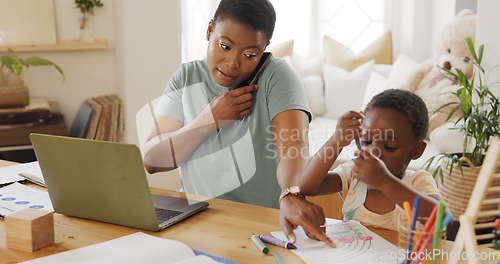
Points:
x=105 y=181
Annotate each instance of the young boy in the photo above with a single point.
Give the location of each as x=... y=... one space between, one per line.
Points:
x=392 y=133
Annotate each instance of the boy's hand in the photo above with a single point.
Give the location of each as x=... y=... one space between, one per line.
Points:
x=231 y=106
x=348 y=128
x=371 y=170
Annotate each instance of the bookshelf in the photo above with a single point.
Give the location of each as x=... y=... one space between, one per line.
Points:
x=61 y=45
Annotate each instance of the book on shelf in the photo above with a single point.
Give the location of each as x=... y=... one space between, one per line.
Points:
x=115 y=108
x=101 y=128
x=94 y=117
x=106 y=119
x=81 y=123
x=120 y=117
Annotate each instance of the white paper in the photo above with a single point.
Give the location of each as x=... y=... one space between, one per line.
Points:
x=11 y=173
x=16 y=197
x=135 y=248
x=355 y=244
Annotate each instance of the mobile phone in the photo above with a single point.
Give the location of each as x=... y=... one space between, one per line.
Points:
x=266 y=56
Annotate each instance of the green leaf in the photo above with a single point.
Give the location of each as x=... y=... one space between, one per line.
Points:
x=471 y=49
x=452 y=112
x=14 y=63
x=37 y=61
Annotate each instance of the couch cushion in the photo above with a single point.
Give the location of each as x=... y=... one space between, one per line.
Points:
x=282 y=49
x=342 y=56
x=315 y=94
x=376 y=85
x=345 y=90
x=311 y=66
x=402 y=68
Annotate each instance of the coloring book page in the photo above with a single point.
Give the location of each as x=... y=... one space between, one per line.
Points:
x=355 y=244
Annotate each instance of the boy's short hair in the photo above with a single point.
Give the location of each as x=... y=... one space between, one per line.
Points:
x=407 y=103
x=259 y=14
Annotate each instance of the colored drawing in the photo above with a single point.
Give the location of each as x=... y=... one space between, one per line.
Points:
x=355 y=244
x=346 y=233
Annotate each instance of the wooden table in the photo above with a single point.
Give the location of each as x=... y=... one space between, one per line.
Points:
x=222 y=230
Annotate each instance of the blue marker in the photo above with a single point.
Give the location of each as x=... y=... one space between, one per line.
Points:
x=446 y=220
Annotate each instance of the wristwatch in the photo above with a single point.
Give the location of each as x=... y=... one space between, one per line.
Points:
x=293 y=190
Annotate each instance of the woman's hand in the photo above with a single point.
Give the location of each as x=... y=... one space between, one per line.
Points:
x=296 y=211
x=231 y=106
x=348 y=128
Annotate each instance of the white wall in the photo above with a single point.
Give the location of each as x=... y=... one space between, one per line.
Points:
x=88 y=73
x=416 y=25
x=147 y=52
x=144 y=51
x=487 y=34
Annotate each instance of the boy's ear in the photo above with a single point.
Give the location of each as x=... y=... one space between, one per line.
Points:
x=210 y=28
x=419 y=149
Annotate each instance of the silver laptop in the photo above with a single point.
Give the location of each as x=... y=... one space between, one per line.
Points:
x=105 y=181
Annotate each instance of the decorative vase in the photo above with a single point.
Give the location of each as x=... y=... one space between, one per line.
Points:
x=13 y=93
x=86 y=31
x=456 y=190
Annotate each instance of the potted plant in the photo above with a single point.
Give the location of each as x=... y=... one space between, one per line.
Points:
x=13 y=92
x=87 y=11
x=478 y=123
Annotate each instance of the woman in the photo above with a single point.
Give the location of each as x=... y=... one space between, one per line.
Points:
x=232 y=141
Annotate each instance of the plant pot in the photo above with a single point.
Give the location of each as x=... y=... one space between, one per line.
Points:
x=456 y=190
x=86 y=31
x=13 y=93
x=14 y=97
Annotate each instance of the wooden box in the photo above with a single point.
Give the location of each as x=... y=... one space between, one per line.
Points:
x=29 y=229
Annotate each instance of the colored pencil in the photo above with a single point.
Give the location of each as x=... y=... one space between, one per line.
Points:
x=414 y=214
x=278 y=259
x=427 y=228
x=439 y=220
x=426 y=243
x=446 y=220
x=407 y=208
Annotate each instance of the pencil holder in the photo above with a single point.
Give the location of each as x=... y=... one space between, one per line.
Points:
x=421 y=244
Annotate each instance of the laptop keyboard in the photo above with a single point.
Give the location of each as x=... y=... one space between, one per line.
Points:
x=165 y=214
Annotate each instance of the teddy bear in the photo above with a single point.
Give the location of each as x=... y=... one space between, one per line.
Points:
x=451 y=52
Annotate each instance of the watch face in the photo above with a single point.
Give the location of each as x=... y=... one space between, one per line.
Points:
x=294 y=189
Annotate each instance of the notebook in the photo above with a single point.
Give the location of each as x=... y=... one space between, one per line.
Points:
x=105 y=181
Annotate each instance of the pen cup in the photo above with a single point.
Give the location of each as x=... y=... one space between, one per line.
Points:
x=420 y=239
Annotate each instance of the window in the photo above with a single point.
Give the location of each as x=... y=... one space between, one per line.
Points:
x=355 y=23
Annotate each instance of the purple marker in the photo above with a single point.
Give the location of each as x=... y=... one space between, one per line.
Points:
x=277 y=242
x=359 y=146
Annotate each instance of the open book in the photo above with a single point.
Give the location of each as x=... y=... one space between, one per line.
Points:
x=135 y=248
